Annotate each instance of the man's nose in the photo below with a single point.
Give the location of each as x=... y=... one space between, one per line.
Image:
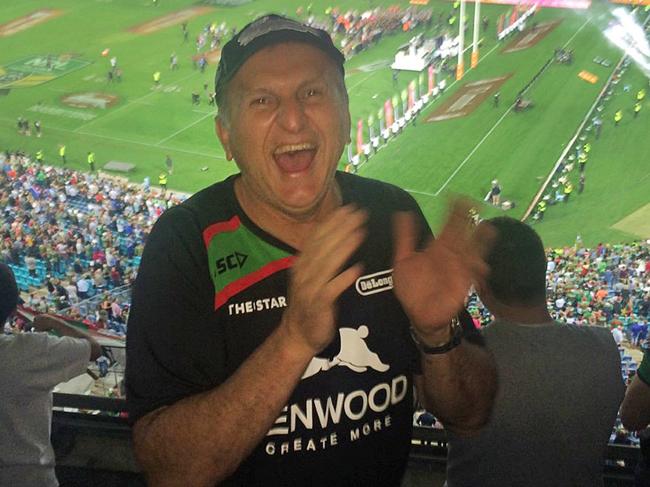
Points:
x=292 y=115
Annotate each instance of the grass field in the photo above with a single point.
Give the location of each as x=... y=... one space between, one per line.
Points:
x=431 y=160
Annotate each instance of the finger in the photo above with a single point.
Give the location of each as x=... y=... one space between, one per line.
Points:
x=325 y=253
x=457 y=227
x=343 y=281
x=330 y=232
x=347 y=215
x=404 y=235
x=320 y=268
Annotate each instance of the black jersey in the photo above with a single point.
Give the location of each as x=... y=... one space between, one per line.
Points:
x=211 y=288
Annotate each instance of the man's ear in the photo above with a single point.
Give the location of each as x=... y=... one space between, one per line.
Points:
x=223 y=133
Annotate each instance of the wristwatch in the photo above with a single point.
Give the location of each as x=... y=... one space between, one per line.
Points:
x=456 y=337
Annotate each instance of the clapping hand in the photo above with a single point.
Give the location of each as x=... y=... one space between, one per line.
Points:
x=432 y=283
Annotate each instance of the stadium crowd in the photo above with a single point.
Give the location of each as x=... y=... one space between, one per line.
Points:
x=608 y=285
x=69 y=235
x=75 y=235
x=360 y=30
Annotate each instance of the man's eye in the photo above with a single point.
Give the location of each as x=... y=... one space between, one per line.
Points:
x=262 y=100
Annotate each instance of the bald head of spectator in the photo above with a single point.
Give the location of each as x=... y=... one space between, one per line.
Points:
x=8 y=293
x=516 y=287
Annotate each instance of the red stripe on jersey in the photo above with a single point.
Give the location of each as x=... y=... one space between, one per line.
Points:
x=219 y=227
x=254 y=277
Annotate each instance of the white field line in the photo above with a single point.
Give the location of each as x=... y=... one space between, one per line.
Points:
x=127 y=141
x=496 y=124
x=129 y=103
x=184 y=128
x=476 y=147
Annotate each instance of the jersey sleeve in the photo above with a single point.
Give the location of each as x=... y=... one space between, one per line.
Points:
x=49 y=360
x=169 y=316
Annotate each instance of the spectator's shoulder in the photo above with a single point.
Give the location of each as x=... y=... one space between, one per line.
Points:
x=596 y=335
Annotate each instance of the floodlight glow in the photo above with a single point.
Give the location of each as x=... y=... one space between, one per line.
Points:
x=629 y=36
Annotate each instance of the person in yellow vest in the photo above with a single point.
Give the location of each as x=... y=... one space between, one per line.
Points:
x=582 y=161
x=637 y=109
x=618 y=116
x=162 y=181
x=156 y=78
x=568 y=188
x=62 y=153
x=640 y=95
x=91 y=160
x=39 y=156
x=541 y=209
x=587 y=148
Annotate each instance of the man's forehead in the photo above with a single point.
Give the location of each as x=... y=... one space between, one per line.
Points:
x=270 y=63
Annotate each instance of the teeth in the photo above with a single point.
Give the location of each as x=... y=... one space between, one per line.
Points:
x=293 y=148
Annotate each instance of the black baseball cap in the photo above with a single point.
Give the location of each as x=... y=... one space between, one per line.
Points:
x=266 y=31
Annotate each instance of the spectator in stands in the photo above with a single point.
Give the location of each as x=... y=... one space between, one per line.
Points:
x=83 y=286
x=559 y=385
x=48 y=214
x=195 y=357
x=32 y=364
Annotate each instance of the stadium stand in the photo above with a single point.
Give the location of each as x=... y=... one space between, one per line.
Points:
x=61 y=227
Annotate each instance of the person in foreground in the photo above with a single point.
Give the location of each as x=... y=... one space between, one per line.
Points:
x=635 y=415
x=560 y=385
x=269 y=340
x=32 y=365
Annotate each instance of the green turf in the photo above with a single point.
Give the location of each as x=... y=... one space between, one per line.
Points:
x=517 y=148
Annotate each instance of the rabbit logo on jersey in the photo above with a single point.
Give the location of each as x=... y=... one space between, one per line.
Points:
x=367 y=410
x=354 y=354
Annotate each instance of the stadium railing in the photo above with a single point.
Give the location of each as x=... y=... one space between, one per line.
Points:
x=92 y=441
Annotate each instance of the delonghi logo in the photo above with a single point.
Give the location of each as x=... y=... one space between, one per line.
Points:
x=375 y=283
x=354 y=354
x=232 y=261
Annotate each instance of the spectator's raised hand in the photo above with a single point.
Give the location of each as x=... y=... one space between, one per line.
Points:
x=432 y=284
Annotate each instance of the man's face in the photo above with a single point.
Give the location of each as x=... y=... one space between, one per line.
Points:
x=287 y=124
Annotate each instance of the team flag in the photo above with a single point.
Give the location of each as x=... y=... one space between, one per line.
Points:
x=513 y=16
x=360 y=136
x=371 y=128
x=411 y=94
x=388 y=110
x=500 y=23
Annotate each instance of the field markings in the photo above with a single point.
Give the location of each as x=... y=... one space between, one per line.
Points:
x=129 y=103
x=361 y=81
x=476 y=147
x=184 y=128
x=492 y=129
x=129 y=141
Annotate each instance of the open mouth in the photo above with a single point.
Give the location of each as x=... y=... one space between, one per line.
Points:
x=295 y=157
